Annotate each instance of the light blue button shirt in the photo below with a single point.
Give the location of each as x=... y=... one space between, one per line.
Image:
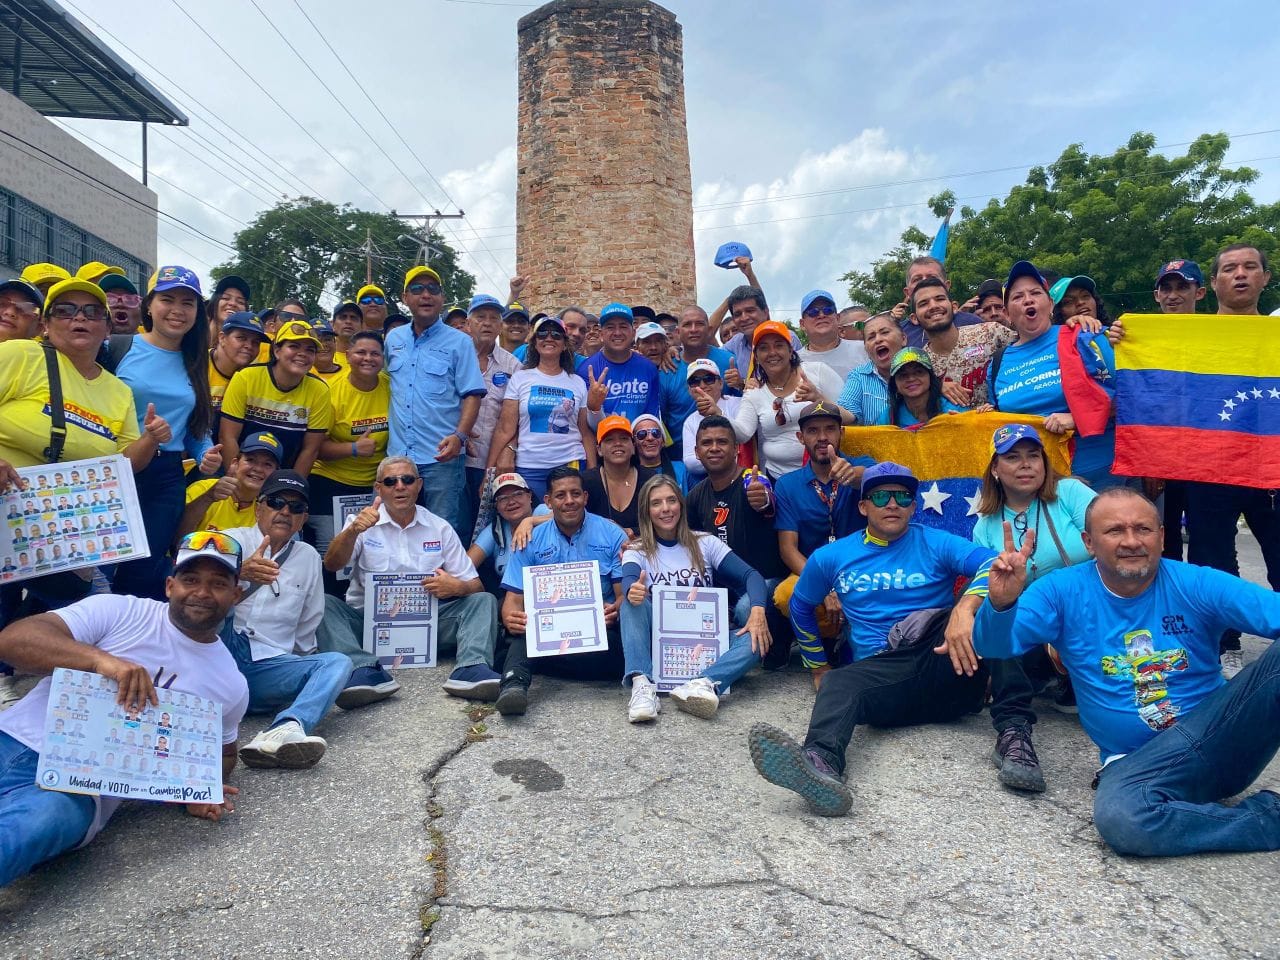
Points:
x=598 y=539
x=430 y=375
x=866 y=396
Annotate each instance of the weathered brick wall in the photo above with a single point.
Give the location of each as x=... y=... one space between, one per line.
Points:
x=604 y=205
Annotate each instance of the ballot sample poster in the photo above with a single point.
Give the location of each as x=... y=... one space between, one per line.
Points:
x=171 y=753
x=399 y=619
x=64 y=516
x=344 y=508
x=690 y=632
x=565 y=609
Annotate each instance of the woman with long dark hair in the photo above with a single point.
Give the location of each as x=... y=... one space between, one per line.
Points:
x=915 y=391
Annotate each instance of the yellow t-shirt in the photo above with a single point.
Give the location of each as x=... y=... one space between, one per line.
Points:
x=328 y=378
x=254 y=401
x=100 y=414
x=217 y=385
x=264 y=351
x=223 y=514
x=357 y=413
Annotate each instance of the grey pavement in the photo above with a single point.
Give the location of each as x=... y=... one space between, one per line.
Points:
x=431 y=831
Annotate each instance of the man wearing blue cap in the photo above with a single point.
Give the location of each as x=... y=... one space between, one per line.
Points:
x=348 y=319
x=619 y=381
x=821 y=323
x=497 y=367
x=895 y=581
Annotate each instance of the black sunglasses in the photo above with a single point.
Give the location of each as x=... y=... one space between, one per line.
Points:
x=296 y=507
x=407 y=479
x=702 y=380
x=430 y=287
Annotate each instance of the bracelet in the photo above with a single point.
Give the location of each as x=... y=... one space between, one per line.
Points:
x=512 y=448
x=353 y=449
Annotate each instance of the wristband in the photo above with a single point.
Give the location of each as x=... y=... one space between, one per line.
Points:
x=462 y=437
x=353 y=449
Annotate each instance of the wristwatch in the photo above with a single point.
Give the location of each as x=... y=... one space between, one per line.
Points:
x=462 y=437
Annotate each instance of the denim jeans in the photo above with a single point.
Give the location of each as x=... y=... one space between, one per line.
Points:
x=162 y=491
x=305 y=687
x=637 y=648
x=1163 y=800
x=35 y=824
x=444 y=493
x=468 y=623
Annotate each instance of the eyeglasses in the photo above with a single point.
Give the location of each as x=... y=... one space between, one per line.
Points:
x=21 y=306
x=127 y=300
x=549 y=335
x=702 y=380
x=296 y=507
x=370 y=298
x=508 y=499
x=220 y=542
x=430 y=287
x=881 y=498
x=652 y=433
x=284 y=317
x=69 y=311
x=407 y=479
x=823 y=311
x=779 y=412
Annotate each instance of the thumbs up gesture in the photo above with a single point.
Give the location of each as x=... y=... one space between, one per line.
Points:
x=706 y=406
x=155 y=426
x=211 y=460
x=806 y=392
x=258 y=569
x=732 y=376
x=367 y=517
x=757 y=490
x=597 y=390
x=638 y=592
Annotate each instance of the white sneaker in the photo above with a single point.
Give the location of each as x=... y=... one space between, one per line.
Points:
x=644 y=704
x=1232 y=662
x=697 y=697
x=284 y=746
x=9 y=694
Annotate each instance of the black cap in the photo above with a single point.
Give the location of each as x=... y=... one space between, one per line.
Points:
x=392 y=319
x=231 y=282
x=990 y=288
x=349 y=305
x=642 y=312
x=286 y=481
x=822 y=408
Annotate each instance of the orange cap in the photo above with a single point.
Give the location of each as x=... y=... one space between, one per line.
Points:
x=611 y=423
x=771 y=327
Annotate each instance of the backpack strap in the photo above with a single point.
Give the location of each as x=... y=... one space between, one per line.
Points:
x=118 y=344
x=996 y=359
x=57 y=410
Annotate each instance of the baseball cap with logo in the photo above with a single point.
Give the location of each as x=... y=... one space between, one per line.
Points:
x=770 y=327
x=264 y=441
x=418 y=272
x=296 y=330
x=1023 y=268
x=609 y=424
x=1004 y=439
x=515 y=312
x=727 y=253
x=479 y=301
x=286 y=481
x=505 y=480
x=39 y=274
x=702 y=365
x=883 y=474
x=174 y=278
x=909 y=355
x=820 y=409
x=650 y=329
x=211 y=545
x=245 y=320
x=1189 y=270
x=614 y=311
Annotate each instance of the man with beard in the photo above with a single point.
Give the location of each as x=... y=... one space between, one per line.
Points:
x=139 y=644
x=917 y=270
x=960 y=355
x=123 y=303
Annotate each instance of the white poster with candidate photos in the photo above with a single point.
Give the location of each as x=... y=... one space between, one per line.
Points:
x=400 y=619
x=565 y=609
x=690 y=632
x=64 y=516
x=171 y=753
x=345 y=507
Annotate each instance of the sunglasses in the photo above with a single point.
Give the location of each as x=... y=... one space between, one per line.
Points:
x=284 y=317
x=203 y=538
x=296 y=507
x=126 y=300
x=370 y=298
x=881 y=498
x=407 y=479
x=651 y=433
x=702 y=380
x=430 y=287
x=549 y=335
x=779 y=412
x=69 y=311
x=824 y=311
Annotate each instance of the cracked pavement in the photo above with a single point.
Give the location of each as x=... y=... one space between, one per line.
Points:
x=569 y=833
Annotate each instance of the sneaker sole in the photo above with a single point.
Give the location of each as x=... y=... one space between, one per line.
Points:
x=780 y=760
x=480 y=690
x=353 y=697
x=258 y=759
x=700 y=707
x=513 y=701
x=1018 y=777
x=642 y=718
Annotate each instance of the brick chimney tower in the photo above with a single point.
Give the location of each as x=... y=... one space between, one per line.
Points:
x=604 y=205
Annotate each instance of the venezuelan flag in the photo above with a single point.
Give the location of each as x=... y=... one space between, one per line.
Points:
x=1198 y=398
x=949 y=455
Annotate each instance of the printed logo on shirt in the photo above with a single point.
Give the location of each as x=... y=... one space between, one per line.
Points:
x=261 y=410
x=430 y=546
x=84 y=419
x=552 y=410
x=685 y=577
x=500 y=379
x=369 y=425
x=629 y=388
x=853 y=581
x=1148 y=670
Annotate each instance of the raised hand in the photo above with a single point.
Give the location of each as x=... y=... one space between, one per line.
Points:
x=225 y=487
x=706 y=406
x=211 y=460
x=732 y=376
x=366 y=446
x=516 y=288
x=367 y=517
x=155 y=426
x=1007 y=577
x=806 y=392
x=638 y=592
x=597 y=390
x=757 y=490
x=258 y=569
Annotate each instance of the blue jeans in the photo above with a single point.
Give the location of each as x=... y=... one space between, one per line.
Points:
x=444 y=493
x=1162 y=800
x=35 y=824
x=162 y=492
x=306 y=687
x=637 y=648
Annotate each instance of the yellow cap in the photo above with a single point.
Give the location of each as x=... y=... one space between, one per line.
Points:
x=369 y=288
x=297 y=330
x=96 y=270
x=39 y=274
x=74 y=285
x=419 y=271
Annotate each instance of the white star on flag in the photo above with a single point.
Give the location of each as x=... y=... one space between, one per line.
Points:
x=1240 y=394
x=973 y=502
x=1229 y=404
x=934 y=498
x=1256 y=393
x=1224 y=415
x=1273 y=393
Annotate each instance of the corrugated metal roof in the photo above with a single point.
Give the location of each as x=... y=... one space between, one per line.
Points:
x=54 y=64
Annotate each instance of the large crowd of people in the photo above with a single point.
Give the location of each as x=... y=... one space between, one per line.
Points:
x=673 y=447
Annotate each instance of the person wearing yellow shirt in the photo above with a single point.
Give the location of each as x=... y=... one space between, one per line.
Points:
x=236 y=347
x=357 y=441
x=224 y=503
x=326 y=366
x=20 y=304
x=281 y=396
x=373 y=306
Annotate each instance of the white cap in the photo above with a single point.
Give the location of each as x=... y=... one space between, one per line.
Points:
x=702 y=365
x=649 y=329
x=509 y=480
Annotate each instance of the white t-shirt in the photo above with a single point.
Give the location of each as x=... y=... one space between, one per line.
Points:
x=693 y=467
x=780 y=450
x=141 y=632
x=549 y=406
x=846 y=355
x=672 y=565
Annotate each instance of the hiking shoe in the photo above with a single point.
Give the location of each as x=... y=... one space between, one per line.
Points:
x=366 y=685
x=476 y=682
x=781 y=760
x=513 y=698
x=1064 y=696
x=284 y=746
x=1232 y=662
x=644 y=705
x=9 y=694
x=1016 y=758
x=697 y=697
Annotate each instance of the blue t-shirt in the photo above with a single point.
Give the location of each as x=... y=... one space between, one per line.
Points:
x=158 y=376
x=881 y=583
x=801 y=510
x=1067 y=513
x=1137 y=664
x=674 y=400
x=598 y=539
x=633 y=385
x=1030 y=381
x=486 y=544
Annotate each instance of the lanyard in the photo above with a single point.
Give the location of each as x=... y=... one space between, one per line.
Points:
x=829 y=501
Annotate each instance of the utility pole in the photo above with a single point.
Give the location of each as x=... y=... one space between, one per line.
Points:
x=367 y=250
x=424 y=246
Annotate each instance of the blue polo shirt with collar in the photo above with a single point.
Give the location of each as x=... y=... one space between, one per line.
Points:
x=598 y=539
x=801 y=511
x=430 y=375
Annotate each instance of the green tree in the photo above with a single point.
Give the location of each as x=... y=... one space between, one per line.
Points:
x=309 y=248
x=1115 y=218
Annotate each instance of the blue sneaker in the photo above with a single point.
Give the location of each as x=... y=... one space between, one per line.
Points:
x=476 y=682
x=367 y=685
x=781 y=760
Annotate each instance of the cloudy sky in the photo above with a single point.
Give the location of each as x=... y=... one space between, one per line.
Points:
x=817 y=130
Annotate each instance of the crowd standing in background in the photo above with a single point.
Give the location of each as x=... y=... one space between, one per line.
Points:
x=674 y=448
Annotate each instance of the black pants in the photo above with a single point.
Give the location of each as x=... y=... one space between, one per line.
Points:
x=604 y=665
x=1212 y=512
x=897 y=688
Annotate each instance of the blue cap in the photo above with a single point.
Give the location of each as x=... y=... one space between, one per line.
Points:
x=814 y=295
x=728 y=252
x=244 y=320
x=175 y=278
x=263 y=440
x=883 y=474
x=615 y=310
x=266 y=314
x=1023 y=268
x=484 y=300
x=349 y=305
x=1003 y=440
x=515 y=310
x=321 y=326
x=1188 y=270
